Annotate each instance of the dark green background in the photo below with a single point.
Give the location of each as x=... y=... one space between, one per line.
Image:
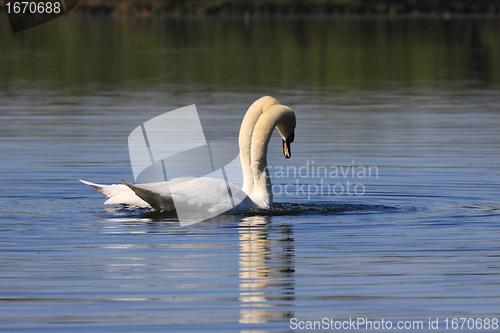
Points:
x=146 y=7
x=228 y=54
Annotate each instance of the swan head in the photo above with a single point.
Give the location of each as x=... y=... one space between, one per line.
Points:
x=286 y=129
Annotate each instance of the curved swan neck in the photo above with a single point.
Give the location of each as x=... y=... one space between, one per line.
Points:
x=275 y=116
x=245 y=137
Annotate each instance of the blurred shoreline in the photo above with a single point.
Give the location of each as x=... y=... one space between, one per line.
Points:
x=286 y=8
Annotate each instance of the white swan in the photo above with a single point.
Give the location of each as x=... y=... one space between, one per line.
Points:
x=210 y=194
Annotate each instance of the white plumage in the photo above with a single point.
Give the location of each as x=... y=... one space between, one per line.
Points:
x=210 y=194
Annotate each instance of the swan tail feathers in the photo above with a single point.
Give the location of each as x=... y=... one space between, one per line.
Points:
x=118 y=194
x=99 y=187
x=159 y=199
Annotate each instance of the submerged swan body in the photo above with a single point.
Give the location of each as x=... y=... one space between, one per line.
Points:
x=210 y=194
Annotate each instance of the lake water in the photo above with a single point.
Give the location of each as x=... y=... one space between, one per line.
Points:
x=413 y=235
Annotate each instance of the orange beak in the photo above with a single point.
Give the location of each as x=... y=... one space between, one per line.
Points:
x=286 y=145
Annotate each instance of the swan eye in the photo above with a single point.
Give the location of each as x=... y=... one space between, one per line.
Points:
x=291 y=137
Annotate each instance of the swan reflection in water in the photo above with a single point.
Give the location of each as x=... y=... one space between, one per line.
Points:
x=266 y=269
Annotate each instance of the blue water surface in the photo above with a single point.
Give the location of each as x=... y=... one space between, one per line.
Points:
x=416 y=240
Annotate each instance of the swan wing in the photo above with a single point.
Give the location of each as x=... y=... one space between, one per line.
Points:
x=157 y=195
x=193 y=196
